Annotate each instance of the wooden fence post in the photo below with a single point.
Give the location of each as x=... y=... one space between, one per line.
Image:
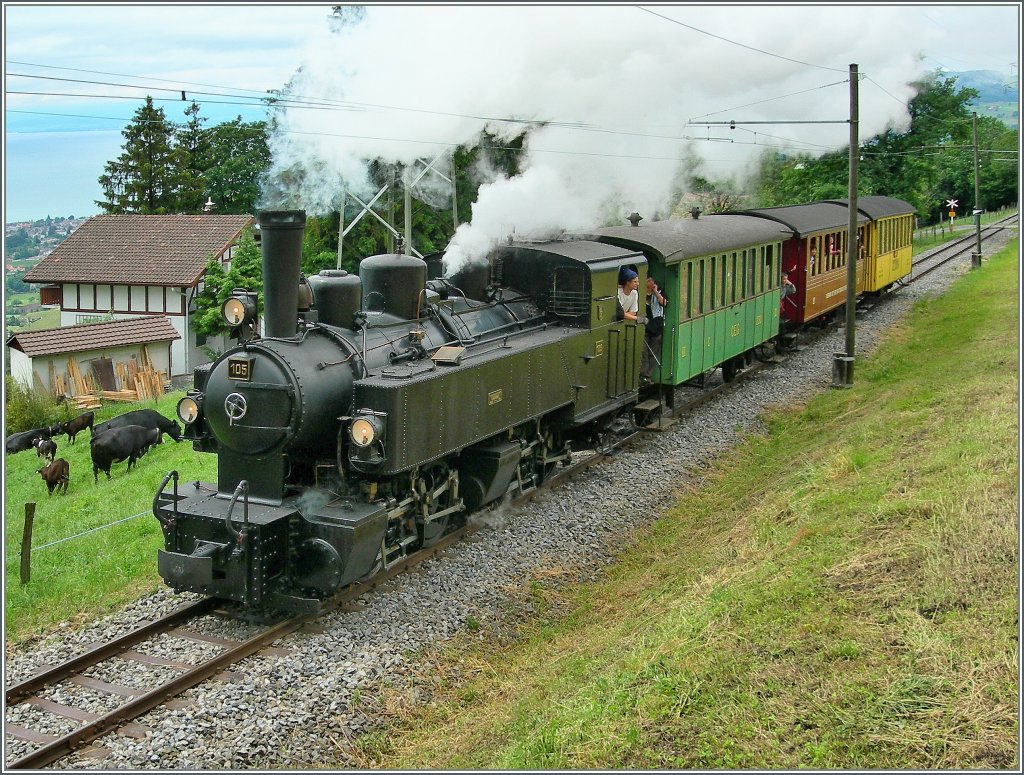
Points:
x=26 y=543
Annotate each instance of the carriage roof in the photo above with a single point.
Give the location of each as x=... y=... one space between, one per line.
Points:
x=676 y=239
x=876 y=207
x=809 y=218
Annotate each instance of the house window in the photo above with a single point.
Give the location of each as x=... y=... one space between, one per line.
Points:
x=120 y=298
x=50 y=294
x=104 y=298
x=155 y=301
x=87 y=297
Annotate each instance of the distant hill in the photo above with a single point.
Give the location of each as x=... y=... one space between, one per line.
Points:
x=998 y=95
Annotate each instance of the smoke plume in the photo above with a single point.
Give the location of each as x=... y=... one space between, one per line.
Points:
x=609 y=93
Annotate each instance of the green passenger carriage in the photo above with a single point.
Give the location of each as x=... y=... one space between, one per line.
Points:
x=721 y=274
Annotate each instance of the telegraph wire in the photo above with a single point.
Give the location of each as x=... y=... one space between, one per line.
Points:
x=772 y=99
x=735 y=43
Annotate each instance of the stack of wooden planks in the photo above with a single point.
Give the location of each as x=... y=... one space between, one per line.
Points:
x=137 y=381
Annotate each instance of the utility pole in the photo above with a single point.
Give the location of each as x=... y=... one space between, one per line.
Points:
x=842 y=364
x=455 y=200
x=976 y=255
x=389 y=243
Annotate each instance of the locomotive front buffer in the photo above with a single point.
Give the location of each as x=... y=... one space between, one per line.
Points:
x=238 y=550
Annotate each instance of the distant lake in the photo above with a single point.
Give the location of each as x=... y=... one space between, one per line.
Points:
x=55 y=173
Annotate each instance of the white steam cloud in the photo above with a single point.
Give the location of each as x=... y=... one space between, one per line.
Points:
x=616 y=87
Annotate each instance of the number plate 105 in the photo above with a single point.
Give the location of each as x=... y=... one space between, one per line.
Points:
x=240 y=368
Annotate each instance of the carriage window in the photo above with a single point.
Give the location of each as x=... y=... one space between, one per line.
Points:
x=685 y=280
x=732 y=280
x=770 y=267
x=701 y=288
x=723 y=270
x=712 y=270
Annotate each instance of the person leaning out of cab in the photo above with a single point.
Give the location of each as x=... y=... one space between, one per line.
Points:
x=628 y=293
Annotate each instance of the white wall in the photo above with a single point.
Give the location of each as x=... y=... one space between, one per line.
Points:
x=21 y=367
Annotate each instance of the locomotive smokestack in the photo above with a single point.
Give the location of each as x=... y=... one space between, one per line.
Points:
x=282 y=232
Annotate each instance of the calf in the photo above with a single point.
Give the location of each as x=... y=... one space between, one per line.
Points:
x=147 y=418
x=80 y=423
x=46 y=449
x=116 y=444
x=56 y=475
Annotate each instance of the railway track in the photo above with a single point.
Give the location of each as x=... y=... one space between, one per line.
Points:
x=949 y=251
x=138 y=646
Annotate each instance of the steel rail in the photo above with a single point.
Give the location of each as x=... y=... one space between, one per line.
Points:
x=965 y=244
x=63 y=746
x=104 y=651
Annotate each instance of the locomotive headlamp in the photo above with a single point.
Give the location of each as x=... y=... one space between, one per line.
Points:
x=364 y=431
x=190 y=408
x=239 y=309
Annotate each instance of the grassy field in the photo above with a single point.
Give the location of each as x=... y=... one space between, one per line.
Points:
x=838 y=594
x=88 y=575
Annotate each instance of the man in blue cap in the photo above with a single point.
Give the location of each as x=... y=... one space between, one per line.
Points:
x=629 y=297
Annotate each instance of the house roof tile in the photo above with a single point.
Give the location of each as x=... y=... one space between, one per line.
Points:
x=166 y=250
x=93 y=336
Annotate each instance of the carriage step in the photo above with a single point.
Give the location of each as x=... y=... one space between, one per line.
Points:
x=649 y=405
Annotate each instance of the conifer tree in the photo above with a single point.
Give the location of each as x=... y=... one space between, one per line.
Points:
x=145 y=177
x=193 y=159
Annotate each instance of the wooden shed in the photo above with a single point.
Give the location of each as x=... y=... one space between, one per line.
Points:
x=123 y=360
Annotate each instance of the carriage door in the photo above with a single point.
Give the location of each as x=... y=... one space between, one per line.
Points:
x=624 y=353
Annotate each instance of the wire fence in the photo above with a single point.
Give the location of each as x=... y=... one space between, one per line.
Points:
x=90 y=530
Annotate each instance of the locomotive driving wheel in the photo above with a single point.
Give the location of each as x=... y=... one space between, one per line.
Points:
x=433 y=490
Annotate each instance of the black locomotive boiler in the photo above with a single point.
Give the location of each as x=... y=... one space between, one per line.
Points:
x=377 y=411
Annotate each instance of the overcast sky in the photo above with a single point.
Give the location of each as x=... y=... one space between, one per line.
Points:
x=623 y=89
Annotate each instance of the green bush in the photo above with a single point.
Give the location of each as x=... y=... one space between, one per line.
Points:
x=26 y=408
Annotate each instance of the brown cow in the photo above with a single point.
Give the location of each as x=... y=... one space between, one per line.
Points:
x=57 y=474
x=83 y=421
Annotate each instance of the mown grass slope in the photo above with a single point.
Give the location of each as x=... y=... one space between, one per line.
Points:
x=838 y=594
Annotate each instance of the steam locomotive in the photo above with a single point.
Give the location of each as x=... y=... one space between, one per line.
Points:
x=378 y=410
